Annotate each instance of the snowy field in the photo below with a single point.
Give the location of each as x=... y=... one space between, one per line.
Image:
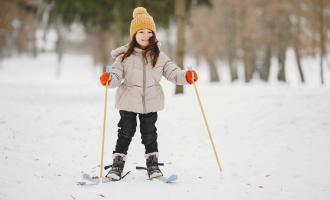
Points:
x=273 y=139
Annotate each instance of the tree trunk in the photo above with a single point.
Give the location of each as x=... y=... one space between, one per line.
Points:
x=249 y=66
x=281 y=64
x=282 y=47
x=322 y=39
x=249 y=60
x=214 y=77
x=282 y=28
x=264 y=74
x=232 y=65
x=297 y=46
x=59 y=47
x=298 y=59
x=231 y=38
x=180 y=16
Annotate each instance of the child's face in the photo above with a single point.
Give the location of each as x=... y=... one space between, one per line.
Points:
x=143 y=36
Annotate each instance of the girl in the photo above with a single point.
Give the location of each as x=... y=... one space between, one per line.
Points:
x=137 y=71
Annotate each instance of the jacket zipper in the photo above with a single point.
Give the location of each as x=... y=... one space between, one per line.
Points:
x=144 y=86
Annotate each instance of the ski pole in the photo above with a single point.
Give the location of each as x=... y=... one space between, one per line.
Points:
x=205 y=120
x=108 y=69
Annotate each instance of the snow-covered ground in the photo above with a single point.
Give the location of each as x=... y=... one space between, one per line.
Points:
x=273 y=140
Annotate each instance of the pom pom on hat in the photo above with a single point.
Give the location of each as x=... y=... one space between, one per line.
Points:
x=141 y=19
x=139 y=11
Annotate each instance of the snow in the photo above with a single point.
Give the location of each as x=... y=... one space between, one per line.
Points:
x=272 y=139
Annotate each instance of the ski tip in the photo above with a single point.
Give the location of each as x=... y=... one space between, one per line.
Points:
x=172 y=178
x=86 y=176
x=90 y=180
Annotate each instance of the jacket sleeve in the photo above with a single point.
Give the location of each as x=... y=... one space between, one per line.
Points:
x=172 y=72
x=117 y=73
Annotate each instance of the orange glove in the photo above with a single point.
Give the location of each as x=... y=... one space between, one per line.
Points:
x=189 y=76
x=104 y=78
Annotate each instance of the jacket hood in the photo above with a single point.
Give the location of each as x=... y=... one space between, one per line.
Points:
x=120 y=50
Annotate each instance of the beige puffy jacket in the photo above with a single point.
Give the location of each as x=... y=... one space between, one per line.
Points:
x=138 y=82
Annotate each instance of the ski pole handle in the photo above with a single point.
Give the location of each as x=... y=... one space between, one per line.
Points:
x=109 y=70
x=190 y=68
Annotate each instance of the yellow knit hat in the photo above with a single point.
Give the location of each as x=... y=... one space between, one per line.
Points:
x=141 y=19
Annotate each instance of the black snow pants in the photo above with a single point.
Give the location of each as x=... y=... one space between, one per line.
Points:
x=127 y=127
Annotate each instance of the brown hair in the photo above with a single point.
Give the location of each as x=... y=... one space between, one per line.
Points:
x=152 y=50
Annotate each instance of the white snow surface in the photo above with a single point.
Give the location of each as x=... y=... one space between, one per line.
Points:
x=273 y=140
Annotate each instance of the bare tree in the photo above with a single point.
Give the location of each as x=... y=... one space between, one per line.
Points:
x=297 y=33
x=180 y=16
x=320 y=11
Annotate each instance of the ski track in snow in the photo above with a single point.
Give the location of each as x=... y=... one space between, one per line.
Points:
x=273 y=140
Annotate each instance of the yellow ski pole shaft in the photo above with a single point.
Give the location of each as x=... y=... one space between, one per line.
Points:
x=108 y=69
x=207 y=125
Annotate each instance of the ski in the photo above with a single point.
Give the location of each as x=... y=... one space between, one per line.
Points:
x=170 y=179
x=89 y=180
x=164 y=179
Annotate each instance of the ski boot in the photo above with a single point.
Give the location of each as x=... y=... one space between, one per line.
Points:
x=117 y=167
x=152 y=166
